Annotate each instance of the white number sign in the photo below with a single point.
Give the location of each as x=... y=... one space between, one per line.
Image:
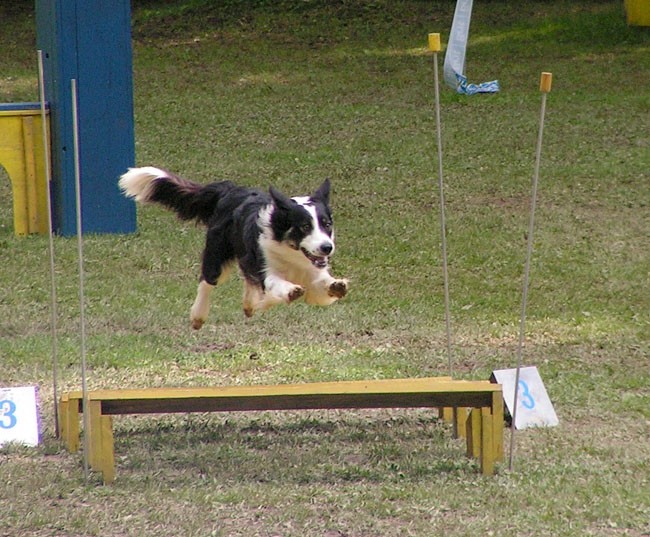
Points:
x=18 y=416
x=534 y=407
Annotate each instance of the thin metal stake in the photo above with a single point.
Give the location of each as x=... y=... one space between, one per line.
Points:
x=53 y=301
x=545 y=87
x=434 y=45
x=82 y=295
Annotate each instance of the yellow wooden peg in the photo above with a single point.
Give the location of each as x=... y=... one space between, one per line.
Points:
x=107 y=452
x=461 y=418
x=473 y=433
x=546 y=82
x=434 y=42
x=487 y=442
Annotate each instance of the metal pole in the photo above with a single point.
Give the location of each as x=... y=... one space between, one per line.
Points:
x=545 y=87
x=53 y=300
x=434 y=45
x=82 y=296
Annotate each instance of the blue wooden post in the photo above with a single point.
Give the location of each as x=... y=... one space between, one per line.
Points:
x=89 y=40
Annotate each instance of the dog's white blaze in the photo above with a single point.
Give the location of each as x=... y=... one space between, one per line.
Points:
x=137 y=183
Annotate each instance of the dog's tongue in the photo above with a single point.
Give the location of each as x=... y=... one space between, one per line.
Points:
x=317 y=261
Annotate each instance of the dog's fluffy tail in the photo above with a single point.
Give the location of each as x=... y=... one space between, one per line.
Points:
x=189 y=200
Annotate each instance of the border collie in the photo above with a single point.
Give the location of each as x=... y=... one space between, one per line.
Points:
x=282 y=245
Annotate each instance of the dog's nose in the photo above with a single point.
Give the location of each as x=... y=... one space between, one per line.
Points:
x=326 y=248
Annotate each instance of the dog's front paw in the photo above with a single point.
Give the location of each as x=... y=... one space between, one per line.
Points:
x=295 y=293
x=338 y=289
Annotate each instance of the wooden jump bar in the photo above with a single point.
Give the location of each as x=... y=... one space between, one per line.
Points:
x=484 y=429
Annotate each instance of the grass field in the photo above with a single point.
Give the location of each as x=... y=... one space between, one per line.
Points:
x=288 y=93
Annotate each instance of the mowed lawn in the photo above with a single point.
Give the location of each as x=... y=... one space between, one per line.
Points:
x=288 y=93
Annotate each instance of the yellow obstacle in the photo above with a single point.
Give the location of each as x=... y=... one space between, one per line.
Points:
x=22 y=155
x=484 y=424
x=638 y=12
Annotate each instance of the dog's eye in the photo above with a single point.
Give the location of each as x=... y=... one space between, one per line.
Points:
x=326 y=225
x=305 y=228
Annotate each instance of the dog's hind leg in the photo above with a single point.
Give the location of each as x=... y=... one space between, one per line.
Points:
x=253 y=297
x=216 y=267
x=201 y=306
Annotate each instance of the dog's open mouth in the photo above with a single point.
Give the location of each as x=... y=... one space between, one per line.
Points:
x=317 y=261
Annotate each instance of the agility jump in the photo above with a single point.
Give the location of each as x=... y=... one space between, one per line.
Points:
x=480 y=403
x=476 y=408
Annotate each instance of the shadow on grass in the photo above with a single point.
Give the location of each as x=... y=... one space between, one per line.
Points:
x=322 y=447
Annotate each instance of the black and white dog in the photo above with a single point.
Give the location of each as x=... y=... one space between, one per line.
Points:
x=282 y=245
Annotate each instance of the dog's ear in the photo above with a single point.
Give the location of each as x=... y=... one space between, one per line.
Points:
x=323 y=192
x=280 y=200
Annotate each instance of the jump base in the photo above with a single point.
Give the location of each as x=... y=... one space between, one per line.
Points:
x=476 y=407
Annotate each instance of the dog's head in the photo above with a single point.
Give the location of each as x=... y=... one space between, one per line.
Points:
x=305 y=223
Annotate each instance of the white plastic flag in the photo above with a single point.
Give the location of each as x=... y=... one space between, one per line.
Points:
x=454 y=67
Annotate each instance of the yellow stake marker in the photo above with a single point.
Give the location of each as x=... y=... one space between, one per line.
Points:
x=545 y=82
x=434 y=42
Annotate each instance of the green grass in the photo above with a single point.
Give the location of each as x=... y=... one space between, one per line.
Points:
x=287 y=93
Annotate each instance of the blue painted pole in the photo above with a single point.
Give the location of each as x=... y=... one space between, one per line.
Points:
x=90 y=41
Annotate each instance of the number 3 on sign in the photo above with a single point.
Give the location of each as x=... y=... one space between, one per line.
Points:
x=532 y=400
x=7 y=414
x=527 y=399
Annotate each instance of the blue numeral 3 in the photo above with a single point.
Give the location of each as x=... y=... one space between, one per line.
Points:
x=7 y=414
x=527 y=399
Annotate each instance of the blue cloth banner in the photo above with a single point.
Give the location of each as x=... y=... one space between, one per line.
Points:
x=470 y=89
